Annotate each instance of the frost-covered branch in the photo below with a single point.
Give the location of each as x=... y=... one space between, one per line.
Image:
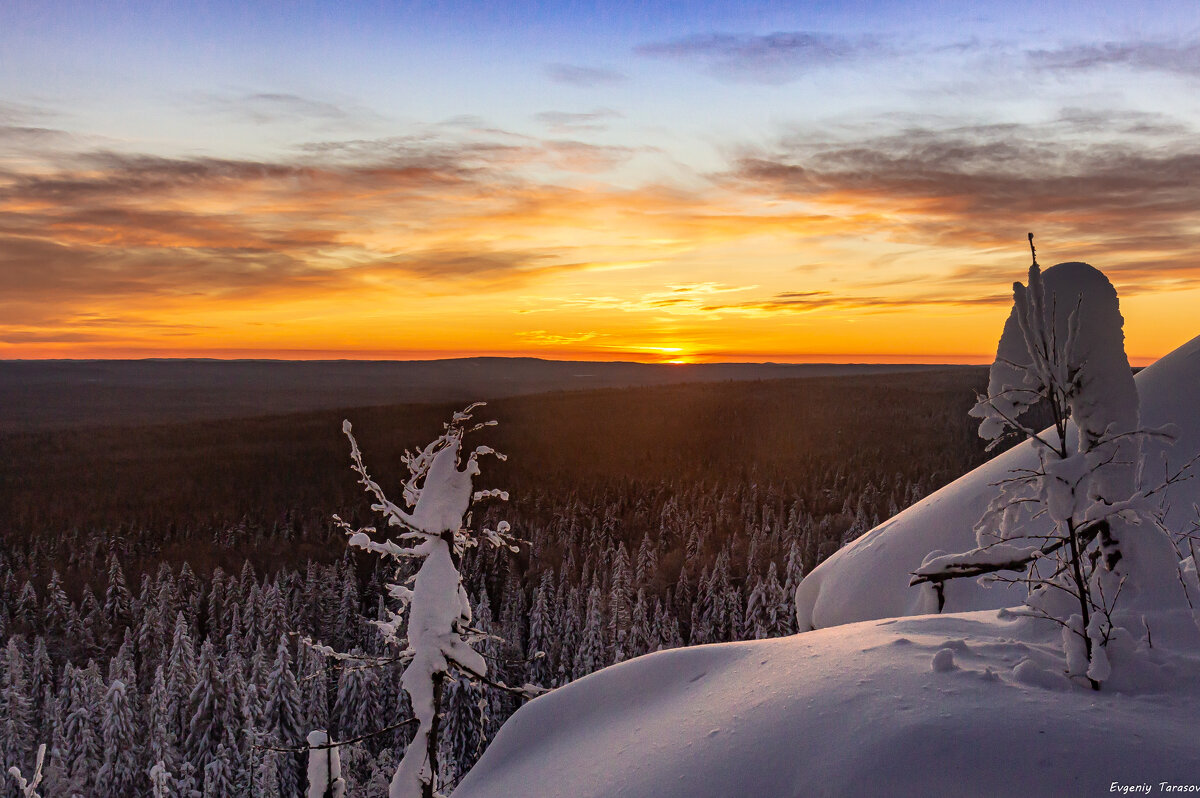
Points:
x=993 y=558
x=300 y=749
x=28 y=787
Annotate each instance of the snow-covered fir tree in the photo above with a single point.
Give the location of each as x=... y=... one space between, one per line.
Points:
x=1063 y=348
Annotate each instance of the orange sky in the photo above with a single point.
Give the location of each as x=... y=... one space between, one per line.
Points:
x=239 y=259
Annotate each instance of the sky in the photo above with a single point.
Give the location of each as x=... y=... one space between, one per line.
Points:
x=657 y=181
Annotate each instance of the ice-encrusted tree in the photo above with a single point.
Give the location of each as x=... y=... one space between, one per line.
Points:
x=1063 y=350
x=432 y=627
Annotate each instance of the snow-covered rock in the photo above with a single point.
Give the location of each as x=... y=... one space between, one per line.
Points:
x=858 y=710
x=869 y=578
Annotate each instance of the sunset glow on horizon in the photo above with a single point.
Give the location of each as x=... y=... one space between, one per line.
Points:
x=677 y=184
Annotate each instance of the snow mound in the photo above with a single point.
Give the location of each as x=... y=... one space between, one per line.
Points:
x=857 y=710
x=869 y=578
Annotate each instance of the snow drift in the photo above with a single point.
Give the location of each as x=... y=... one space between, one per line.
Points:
x=869 y=578
x=963 y=704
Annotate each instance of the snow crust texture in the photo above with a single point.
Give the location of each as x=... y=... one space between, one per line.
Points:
x=965 y=704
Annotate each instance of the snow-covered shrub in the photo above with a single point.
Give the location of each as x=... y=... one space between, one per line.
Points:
x=1063 y=349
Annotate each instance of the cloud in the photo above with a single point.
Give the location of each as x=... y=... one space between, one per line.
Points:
x=53 y=337
x=543 y=338
x=1123 y=200
x=264 y=108
x=578 y=156
x=489 y=268
x=566 y=122
x=61 y=275
x=772 y=58
x=14 y=113
x=584 y=77
x=428 y=214
x=681 y=299
x=809 y=301
x=462 y=212
x=32 y=138
x=1177 y=57
x=24 y=130
x=705 y=299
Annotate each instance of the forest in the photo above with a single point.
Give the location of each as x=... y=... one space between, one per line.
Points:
x=161 y=586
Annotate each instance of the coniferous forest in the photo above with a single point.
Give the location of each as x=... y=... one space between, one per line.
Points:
x=159 y=585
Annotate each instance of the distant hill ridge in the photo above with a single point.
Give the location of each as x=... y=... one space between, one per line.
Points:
x=62 y=394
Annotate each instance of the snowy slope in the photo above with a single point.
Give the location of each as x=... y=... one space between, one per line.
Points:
x=869 y=578
x=897 y=707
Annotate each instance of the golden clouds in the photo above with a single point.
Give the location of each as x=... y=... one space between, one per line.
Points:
x=880 y=244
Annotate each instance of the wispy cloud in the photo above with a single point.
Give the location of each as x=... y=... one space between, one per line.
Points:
x=585 y=77
x=543 y=338
x=1126 y=201
x=576 y=122
x=264 y=108
x=771 y=58
x=1182 y=57
x=683 y=299
x=810 y=301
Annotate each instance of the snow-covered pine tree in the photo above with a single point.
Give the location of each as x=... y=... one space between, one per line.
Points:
x=462 y=741
x=348 y=612
x=160 y=736
x=541 y=631
x=646 y=567
x=569 y=628
x=58 y=609
x=81 y=741
x=354 y=693
x=216 y=605
x=117 y=600
x=218 y=774
x=640 y=637
x=180 y=679
x=314 y=695
x=26 y=610
x=780 y=606
x=1063 y=348
x=41 y=688
x=208 y=711
x=119 y=775
x=240 y=715
x=16 y=708
x=435 y=616
x=620 y=603
x=592 y=654
x=282 y=717
x=161 y=781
